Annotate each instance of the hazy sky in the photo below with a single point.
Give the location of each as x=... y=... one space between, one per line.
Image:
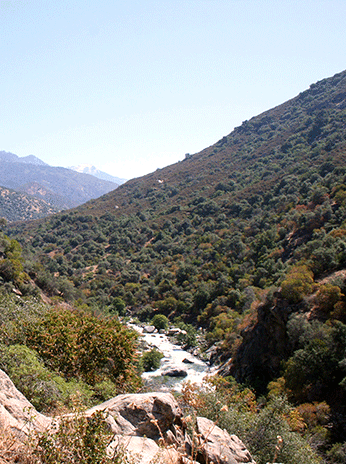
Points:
x=132 y=85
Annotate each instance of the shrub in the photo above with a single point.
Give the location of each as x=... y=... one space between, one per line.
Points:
x=298 y=283
x=160 y=321
x=78 y=439
x=43 y=388
x=151 y=360
x=82 y=346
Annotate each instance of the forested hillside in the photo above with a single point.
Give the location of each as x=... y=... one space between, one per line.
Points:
x=246 y=239
x=19 y=206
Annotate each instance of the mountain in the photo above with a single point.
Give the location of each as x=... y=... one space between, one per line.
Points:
x=60 y=188
x=89 y=169
x=18 y=206
x=12 y=158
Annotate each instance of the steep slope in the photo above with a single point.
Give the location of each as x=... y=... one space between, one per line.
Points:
x=17 y=206
x=224 y=221
x=204 y=238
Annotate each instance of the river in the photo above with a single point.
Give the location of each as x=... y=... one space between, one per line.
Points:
x=174 y=357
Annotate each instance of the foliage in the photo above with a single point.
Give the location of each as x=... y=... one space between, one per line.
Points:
x=258 y=425
x=43 y=388
x=208 y=241
x=297 y=284
x=78 y=344
x=78 y=439
x=150 y=360
x=160 y=321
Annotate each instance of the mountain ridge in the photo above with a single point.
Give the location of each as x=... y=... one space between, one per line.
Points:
x=60 y=187
x=90 y=169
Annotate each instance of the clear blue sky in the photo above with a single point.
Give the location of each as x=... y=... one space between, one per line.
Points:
x=132 y=85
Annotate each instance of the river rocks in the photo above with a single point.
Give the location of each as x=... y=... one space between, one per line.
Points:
x=187 y=361
x=217 y=445
x=149 y=329
x=176 y=331
x=175 y=373
x=16 y=412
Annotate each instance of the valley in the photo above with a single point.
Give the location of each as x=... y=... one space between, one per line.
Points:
x=244 y=243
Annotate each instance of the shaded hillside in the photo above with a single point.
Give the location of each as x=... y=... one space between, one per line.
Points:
x=17 y=206
x=60 y=187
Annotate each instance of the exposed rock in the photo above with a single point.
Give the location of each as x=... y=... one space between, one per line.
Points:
x=149 y=329
x=175 y=373
x=265 y=344
x=143 y=450
x=140 y=423
x=176 y=331
x=187 y=361
x=218 y=446
x=16 y=412
x=149 y=414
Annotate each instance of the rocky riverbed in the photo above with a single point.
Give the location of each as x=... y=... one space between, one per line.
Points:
x=177 y=365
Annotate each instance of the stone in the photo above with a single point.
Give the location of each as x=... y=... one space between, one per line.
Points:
x=175 y=373
x=149 y=414
x=149 y=329
x=16 y=412
x=218 y=446
x=142 y=450
x=148 y=427
x=187 y=361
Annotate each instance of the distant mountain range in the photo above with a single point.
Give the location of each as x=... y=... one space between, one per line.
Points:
x=57 y=188
x=89 y=169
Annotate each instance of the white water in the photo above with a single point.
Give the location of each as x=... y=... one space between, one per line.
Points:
x=173 y=358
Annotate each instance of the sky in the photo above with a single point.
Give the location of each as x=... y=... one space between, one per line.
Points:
x=132 y=86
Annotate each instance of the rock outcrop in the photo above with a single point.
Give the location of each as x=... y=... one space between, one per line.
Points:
x=16 y=412
x=149 y=427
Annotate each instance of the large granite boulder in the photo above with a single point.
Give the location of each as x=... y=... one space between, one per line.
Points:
x=146 y=414
x=142 y=450
x=218 y=446
x=16 y=412
x=148 y=427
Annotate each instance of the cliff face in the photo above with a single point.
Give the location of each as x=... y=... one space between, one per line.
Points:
x=265 y=344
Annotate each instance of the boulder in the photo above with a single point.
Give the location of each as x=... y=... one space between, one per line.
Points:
x=142 y=450
x=175 y=373
x=149 y=329
x=16 y=412
x=144 y=414
x=218 y=446
x=141 y=424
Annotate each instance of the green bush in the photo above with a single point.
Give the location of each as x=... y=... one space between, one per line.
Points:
x=160 y=321
x=258 y=425
x=298 y=283
x=151 y=360
x=82 y=346
x=43 y=388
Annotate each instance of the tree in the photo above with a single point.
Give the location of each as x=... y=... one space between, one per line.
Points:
x=160 y=321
